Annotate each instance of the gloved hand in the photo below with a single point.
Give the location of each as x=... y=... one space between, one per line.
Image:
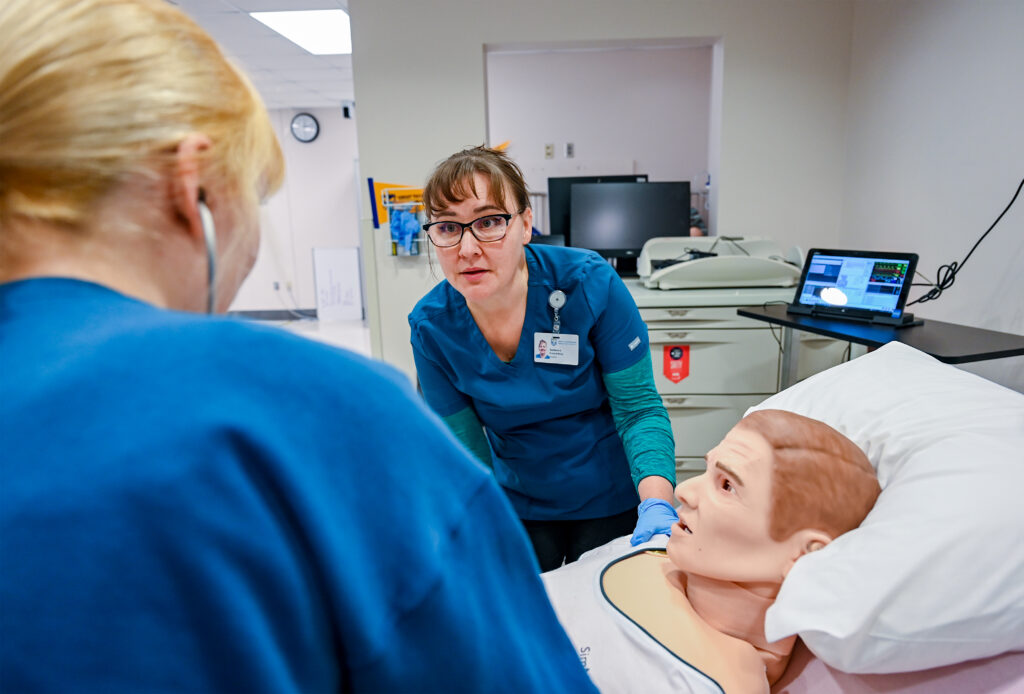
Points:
x=656 y=516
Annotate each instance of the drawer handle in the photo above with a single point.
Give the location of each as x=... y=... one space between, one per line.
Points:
x=676 y=336
x=694 y=342
x=677 y=311
x=680 y=404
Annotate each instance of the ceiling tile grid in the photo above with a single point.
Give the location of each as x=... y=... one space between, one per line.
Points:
x=286 y=75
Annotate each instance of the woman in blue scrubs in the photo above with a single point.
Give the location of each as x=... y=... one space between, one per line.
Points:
x=573 y=428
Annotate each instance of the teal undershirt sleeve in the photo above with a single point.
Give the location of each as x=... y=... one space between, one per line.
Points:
x=467 y=428
x=642 y=422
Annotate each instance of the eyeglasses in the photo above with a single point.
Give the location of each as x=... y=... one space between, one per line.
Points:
x=487 y=229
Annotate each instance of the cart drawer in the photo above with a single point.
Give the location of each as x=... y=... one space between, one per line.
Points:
x=720 y=361
x=700 y=422
x=700 y=317
x=689 y=467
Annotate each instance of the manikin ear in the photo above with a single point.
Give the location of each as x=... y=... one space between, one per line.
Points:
x=185 y=182
x=804 y=542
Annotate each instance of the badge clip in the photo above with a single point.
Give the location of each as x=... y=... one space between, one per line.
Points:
x=556 y=301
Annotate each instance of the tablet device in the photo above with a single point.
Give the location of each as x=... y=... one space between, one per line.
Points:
x=868 y=286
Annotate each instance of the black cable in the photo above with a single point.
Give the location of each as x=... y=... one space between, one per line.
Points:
x=947 y=273
x=771 y=326
x=927 y=282
x=732 y=240
x=691 y=253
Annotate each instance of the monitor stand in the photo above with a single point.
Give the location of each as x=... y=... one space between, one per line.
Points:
x=625 y=267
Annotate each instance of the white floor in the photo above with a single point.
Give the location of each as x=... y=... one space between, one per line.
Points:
x=352 y=335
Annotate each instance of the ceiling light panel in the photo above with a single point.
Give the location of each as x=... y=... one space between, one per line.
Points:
x=321 y=32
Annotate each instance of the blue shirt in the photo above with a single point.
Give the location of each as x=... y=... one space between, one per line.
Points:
x=556 y=450
x=191 y=504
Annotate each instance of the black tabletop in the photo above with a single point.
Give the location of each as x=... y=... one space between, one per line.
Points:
x=947 y=342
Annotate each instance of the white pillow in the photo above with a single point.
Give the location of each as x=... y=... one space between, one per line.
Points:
x=935 y=573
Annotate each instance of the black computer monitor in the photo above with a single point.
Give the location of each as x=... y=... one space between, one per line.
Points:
x=558 y=198
x=616 y=219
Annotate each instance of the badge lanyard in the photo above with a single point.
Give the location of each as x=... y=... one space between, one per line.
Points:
x=556 y=301
x=555 y=347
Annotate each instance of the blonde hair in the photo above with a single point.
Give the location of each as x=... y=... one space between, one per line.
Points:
x=820 y=479
x=93 y=92
x=452 y=180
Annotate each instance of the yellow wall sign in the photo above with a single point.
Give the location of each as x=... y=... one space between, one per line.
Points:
x=383 y=194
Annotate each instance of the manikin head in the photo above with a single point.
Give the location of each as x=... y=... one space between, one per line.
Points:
x=778 y=486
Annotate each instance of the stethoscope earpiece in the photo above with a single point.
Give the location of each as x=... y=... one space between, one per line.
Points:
x=210 y=238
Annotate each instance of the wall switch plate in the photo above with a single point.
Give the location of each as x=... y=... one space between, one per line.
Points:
x=549 y=151
x=570 y=150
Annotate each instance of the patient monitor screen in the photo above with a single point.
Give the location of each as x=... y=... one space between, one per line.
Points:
x=870 y=284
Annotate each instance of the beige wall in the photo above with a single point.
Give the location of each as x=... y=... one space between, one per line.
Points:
x=656 y=122
x=420 y=87
x=315 y=208
x=936 y=150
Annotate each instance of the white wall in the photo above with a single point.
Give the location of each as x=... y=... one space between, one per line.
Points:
x=419 y=70
x=936 y=150
x=639 y=109
x=315 y=208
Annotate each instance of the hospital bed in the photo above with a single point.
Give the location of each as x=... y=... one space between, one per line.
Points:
x=927 y=594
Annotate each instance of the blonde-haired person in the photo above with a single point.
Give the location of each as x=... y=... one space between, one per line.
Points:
x=192 y=503
x=576 y=434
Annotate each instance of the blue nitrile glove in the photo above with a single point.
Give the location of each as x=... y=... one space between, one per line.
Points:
x=410 y=227
x=396 y=222
x=656 y=516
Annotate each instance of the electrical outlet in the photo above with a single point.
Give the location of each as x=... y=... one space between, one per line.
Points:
x=549 y=151
x=570 y=150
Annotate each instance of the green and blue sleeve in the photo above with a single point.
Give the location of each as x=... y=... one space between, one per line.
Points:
x=467 y=428
x=642 y=421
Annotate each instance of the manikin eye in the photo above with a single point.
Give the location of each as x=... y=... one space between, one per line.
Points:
x=726 y=484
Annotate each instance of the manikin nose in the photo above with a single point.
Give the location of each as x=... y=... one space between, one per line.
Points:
x=686 y=491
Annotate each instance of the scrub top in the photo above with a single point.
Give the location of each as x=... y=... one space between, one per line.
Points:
x=193 y=504
x=555 y=447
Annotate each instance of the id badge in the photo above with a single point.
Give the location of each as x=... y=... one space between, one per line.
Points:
x=556 y=348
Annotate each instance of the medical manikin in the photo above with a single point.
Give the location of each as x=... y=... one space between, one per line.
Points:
x=691 y=617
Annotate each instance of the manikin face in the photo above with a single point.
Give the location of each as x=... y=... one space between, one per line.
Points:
x=723 y=531
x=481 y=271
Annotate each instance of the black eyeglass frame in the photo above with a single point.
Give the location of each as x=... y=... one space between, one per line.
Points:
x=504 y=215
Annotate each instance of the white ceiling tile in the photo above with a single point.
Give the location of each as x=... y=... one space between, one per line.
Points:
x=286 y=75
x=275 y=5
x=342 y=61
x=199 y=8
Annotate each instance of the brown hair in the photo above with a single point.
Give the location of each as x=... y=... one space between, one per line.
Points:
x=93 y=92
x=452 y=180
x=820 y=480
